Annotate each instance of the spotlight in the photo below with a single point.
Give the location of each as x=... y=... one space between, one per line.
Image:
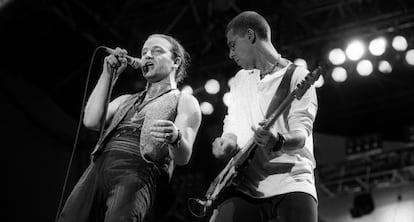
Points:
x=375 y=142
x=187 y=89
x=409 y=134
x=358 y=146
x=301 y=62
x=409 y=57
x=399 y=43
x=212 y=86
x=355 y=50
x=364 y=68
x=337 y=56
x=206 y=108
x=339 y=74
x=319 y=83
x=350 y=147
x=384 y=66
x=226 y=98
x=230 y=81
x=377 y=46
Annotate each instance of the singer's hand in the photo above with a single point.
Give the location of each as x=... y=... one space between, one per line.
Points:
x=164 y=131
x=117 y=60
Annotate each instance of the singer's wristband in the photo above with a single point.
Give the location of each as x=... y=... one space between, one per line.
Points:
x=177 y=141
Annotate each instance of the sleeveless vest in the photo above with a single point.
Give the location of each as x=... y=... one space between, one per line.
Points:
x=163 y=107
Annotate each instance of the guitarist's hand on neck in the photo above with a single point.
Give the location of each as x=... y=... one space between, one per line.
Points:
x=225 y=146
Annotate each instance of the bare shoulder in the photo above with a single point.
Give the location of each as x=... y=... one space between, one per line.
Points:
x=188 y=111
x=188 y=104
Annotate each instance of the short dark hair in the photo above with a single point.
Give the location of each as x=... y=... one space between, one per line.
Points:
x=252 y=20
x=178 y=51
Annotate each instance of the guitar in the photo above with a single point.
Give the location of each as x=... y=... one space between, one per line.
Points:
x=200 y=207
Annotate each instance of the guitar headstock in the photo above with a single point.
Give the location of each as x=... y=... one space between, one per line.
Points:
x=311 y=78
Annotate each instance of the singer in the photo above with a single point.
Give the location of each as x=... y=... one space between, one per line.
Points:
x=146 y=135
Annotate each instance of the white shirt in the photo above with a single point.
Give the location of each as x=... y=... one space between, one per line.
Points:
x=272 y=173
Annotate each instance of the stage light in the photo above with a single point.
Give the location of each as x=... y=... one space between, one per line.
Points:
x=206 y=108
x=384 y=66
x=399 y=43
x=356 y=147
x=375 y=142
x=355 y=50
x=337 y=56
x=377 y=46
x=364 y=67
x=212 y=86
x=226 y=98
x=301 y=62
x=229 y=82
x=409 y=134
x=409 y=57
x=187 y=89
x=319 y=83
x=339 y=74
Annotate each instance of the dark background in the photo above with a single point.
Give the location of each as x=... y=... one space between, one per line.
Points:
x=47 y=46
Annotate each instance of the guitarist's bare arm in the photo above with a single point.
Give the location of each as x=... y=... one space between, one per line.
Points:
x=225 y=146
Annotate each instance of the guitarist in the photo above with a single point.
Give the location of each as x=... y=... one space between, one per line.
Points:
x=278 y=183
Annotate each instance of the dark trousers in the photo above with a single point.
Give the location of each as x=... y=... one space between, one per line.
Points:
x=290 y=207
x=118 y=186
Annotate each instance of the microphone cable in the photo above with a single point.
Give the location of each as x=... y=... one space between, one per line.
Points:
x=77 y=131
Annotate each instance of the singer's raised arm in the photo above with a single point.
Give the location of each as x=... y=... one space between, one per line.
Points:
x=95 y=106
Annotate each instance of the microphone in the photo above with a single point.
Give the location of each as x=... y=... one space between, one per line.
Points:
x=135 y=63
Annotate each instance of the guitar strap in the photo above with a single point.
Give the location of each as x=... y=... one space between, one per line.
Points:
x=282 y=91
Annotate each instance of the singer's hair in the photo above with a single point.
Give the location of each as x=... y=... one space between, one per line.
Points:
x=178 y=51
x=252 y=20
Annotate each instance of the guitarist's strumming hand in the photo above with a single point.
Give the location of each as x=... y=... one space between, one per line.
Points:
x=225 y=146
